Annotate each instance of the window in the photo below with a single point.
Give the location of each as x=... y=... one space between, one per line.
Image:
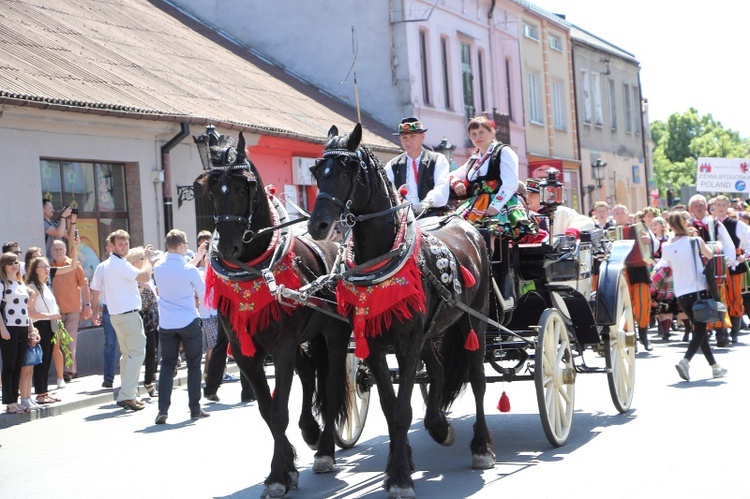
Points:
x=627 y=111
x=555 y=42
x=467 y=80
x=97 y=190
x=535 y=98
x=558 y=105
x=446 y=76
x=586 y=89
x=480 y=69
x=531 y=31
x=637 y=110
x=612 y=105
x=425 y=73
x=596 y=93
x=507 y=89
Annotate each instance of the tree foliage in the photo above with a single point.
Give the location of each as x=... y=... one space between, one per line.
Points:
x=686 y=137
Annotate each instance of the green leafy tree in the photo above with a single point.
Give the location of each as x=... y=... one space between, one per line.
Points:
x=682 y=139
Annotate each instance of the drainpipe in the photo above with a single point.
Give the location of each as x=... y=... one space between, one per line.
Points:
x=167 y=169
x=644 y=143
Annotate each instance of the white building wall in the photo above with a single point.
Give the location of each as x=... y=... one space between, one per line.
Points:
x=28 y=135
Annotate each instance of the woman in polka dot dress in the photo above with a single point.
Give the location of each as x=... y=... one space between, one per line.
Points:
x=14 y=329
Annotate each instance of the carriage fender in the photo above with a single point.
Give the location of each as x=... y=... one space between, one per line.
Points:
x=610 y=273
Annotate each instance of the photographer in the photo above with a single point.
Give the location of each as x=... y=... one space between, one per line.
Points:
x=59 y=228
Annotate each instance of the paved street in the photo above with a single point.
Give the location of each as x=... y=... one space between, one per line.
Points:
x=680 y=440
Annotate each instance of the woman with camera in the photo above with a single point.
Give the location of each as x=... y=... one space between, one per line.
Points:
x=682 y=254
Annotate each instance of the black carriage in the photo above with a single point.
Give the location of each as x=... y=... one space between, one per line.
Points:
x=547 y=324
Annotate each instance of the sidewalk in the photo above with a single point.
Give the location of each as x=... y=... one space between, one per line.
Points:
x=87 y=391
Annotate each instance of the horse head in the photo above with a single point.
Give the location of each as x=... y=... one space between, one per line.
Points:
x=343 y=176
x=238 y=198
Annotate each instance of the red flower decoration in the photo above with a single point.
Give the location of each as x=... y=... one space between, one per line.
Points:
x=492 y=184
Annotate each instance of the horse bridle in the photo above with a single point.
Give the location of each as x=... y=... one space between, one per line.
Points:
x=347 y=218
x=224 y=190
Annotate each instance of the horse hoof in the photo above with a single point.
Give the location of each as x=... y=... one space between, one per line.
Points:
x=451 y=438
x=294 y=479
x=483 y=461
x=323 y=464
x=401 y=493
x=274 y=491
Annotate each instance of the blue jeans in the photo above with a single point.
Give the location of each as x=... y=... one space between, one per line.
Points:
x=110 y=346
x=191 y=337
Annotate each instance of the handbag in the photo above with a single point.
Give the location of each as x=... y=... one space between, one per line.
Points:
x=33 y=355
x=706 y=310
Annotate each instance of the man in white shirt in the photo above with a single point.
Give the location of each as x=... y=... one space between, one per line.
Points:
x=119 y=281
x=179 y=282
x=423 y=173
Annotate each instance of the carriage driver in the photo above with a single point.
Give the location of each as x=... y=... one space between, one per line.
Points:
x=423 y=173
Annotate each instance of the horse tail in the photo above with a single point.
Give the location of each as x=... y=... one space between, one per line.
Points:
x=456 y=361
x=319 y=355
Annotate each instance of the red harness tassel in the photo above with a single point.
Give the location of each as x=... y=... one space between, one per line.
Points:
x=504 y=404
x=469 y=280
x=472 y=342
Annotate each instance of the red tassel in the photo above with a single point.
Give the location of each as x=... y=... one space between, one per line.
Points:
x=403 y=191
x=273 y=393
x=469 y=280
x=229 y=350
x=362 y=350
x=472 y=342
x=504 y=404
x=270 y=189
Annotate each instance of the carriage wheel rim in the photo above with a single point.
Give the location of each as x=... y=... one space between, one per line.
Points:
x=621 y=353
x=556 y=402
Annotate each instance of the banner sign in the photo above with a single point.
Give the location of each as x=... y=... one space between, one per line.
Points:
x=723 y=175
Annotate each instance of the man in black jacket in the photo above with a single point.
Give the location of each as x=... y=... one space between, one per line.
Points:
x=423 y=173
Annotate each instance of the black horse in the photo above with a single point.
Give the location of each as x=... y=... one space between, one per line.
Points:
x=415 y=276
x=254 y=253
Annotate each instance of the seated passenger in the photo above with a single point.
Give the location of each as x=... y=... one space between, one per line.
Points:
x=490 y=179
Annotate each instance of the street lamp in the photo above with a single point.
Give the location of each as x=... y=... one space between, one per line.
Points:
x=598 y=169
x=446 y=148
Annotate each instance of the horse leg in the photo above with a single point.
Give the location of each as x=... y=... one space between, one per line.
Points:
x=283 y=471
x=307 y=423
x=435 y=422
x=334 y=404
x=399 y=482
x=483 y=457
x=380 y=371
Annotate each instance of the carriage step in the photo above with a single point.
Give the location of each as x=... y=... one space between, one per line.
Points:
x=589 y=370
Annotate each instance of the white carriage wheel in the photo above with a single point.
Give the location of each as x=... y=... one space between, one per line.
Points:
x=554 y=377
x=348 y=431
x=620 y=351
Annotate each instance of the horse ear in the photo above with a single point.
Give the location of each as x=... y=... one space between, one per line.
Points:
x=355 y=137
x=241 y=149
x=333 y=132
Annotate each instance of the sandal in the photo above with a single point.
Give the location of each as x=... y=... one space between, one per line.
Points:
x=16 y=409
x=150 y=389
x=46 y=399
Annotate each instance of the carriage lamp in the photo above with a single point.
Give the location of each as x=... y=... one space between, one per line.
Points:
x=204 y=142
x=445 y=148
x=551 y=190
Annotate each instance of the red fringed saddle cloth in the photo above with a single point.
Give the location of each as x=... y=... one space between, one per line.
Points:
x=251 y=304
x=376 y=306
